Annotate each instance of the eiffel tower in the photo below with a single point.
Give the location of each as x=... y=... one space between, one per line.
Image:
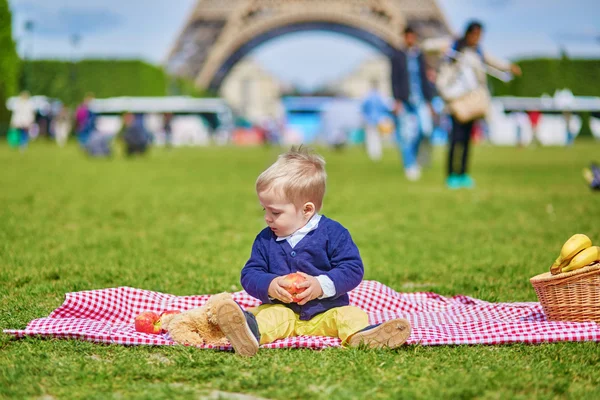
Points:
x=218 y=33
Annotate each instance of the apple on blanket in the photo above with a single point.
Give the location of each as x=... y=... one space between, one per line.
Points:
x=151 y=322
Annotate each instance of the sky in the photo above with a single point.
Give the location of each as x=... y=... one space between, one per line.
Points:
x=146 y=29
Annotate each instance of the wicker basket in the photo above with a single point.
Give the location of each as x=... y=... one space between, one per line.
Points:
x=570 y=296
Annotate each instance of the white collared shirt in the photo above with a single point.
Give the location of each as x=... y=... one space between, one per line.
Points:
x=293 y=239
x=297 y=236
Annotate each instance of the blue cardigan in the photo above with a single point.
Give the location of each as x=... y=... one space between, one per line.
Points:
x=327 y=250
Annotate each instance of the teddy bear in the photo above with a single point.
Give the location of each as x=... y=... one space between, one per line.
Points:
x=197 y=326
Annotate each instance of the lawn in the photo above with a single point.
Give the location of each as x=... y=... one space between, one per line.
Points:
x=183 y=222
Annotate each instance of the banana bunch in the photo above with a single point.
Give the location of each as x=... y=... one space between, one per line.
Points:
x=577 y=252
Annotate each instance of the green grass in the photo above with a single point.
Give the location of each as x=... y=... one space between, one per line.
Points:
x=183 y=222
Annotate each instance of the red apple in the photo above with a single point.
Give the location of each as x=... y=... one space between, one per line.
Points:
x=169 y=312
x=148 y=322
x=293 y=280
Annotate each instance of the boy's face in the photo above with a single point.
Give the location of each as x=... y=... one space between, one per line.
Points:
x=282 y=216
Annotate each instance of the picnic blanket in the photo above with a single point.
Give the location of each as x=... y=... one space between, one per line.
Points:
x=107 y=316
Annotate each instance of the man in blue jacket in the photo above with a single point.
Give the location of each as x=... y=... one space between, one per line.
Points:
x=413 y=93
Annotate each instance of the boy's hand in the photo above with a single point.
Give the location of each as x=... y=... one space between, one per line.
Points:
x=313 y=289
x=278 y=290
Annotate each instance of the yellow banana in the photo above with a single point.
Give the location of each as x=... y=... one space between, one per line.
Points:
x=585 y=257
x=574 y=245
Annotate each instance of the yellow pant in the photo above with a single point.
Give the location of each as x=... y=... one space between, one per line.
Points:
x=276 y=321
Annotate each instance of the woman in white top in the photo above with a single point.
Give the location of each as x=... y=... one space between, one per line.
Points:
x=467 y=53
x=23 y=116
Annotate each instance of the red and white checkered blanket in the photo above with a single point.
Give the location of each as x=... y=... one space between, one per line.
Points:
x=107 y=316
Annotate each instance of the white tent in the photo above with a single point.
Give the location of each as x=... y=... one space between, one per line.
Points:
x=188 y=126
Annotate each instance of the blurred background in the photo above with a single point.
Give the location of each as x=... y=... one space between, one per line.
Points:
x=216 y=72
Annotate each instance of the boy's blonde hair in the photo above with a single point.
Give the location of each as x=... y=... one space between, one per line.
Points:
x=299 y=175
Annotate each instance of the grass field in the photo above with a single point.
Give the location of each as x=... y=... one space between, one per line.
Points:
x=183 y=222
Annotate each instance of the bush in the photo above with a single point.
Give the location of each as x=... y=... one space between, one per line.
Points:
x=545 y=75
x=70 y=82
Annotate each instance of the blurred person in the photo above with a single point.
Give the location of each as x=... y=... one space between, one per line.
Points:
x=168 y=129
x=374 y=111
x=412 y=94
x=98 y=144
x=570 y=131
x=22 y=118
x=84 y=119
x=271 y=127
x=521 y=119
x=62 y=126
x=592 y=176
x=470 y=61
x=135 y=136
x=534 y=118
x=441 y=122
x=43 y=119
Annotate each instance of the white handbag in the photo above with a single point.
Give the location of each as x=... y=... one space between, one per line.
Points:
x=471 y=106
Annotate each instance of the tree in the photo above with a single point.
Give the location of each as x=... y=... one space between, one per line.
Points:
x=9 y=63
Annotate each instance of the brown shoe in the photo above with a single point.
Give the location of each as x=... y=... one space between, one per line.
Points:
x=232 y=321
x=391 y=334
